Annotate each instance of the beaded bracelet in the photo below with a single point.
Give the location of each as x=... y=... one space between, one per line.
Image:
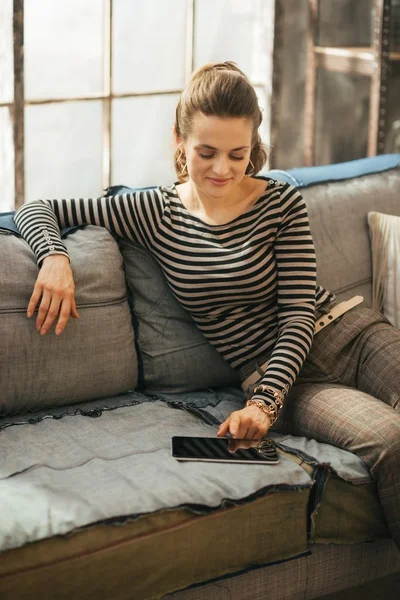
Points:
x=267 y=409
x=268 y=391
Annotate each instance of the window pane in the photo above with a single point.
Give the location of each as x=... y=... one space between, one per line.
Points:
x=63 y=146
x=6 y=161
x=63 y=48
x=345 y=23
x=6 y=51
x=149 y=45
x=342 y=112
x=392 y=133
x=237 y=30
x=143 y=146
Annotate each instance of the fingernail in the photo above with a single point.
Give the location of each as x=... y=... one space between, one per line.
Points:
x=29 y=314
x=58 y=331
x=43 y=331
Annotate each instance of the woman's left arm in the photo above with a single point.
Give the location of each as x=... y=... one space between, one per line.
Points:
x=296 y=273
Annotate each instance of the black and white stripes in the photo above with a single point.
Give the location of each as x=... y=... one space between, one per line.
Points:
x=250 y=285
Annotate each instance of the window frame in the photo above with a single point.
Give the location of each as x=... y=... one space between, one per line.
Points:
x=17 y=106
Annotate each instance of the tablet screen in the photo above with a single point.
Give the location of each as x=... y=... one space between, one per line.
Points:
x=224 y=449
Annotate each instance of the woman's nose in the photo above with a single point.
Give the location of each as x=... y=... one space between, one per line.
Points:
x=221 y=166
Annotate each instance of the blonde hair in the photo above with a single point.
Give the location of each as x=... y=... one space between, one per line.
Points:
x=221 y=90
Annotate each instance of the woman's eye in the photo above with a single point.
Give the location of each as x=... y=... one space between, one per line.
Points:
x=211 y=156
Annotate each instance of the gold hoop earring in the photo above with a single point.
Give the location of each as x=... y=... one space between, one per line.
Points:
x=184 y=170
x=252 y=171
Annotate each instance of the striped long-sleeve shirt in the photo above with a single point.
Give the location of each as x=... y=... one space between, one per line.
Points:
x=249 y=285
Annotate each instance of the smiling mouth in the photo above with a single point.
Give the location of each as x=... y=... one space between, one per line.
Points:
x=219 y=181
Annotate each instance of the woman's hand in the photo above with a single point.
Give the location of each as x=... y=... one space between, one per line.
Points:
x=249 y=422
x=55 y=286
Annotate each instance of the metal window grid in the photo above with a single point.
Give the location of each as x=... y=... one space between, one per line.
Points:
x=19 y=103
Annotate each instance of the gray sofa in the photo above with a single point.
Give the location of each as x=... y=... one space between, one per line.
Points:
x=91 y=503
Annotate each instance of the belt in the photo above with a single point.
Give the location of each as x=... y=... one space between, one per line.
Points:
x=322 y=322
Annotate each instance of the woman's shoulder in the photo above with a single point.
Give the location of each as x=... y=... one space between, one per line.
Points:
x=268 y=191
x=265 y=185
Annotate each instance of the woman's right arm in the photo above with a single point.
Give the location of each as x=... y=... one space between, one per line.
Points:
x=132 y=216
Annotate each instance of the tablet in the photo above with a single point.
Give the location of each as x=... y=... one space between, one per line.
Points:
x=224 y=449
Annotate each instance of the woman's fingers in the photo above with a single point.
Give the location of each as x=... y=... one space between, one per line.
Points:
x=65 y=314
x=239 y=425
x=249 y=423
x=34 y=299
x=74 y=311
x=223 y=428
x=249 y=442
x=43 y=309
x=52 y=313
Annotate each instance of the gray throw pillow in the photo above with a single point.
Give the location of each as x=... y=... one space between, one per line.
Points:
x=176 y=356
x=95 y=356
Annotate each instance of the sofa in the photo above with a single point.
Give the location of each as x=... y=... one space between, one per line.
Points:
x=93 y=506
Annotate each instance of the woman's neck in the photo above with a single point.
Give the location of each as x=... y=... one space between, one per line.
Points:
x=219 y=210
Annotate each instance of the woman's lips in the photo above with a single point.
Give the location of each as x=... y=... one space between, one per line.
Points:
x=219 y=181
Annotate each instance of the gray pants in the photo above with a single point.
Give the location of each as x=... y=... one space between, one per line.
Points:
x=348 y=395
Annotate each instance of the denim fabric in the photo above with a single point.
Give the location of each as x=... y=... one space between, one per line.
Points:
x=119 y=465
x=62 y=474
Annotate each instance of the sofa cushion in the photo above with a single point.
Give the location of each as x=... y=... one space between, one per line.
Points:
x=94 y=357
x=385 y=244
x=338 y=199
x=176 y=357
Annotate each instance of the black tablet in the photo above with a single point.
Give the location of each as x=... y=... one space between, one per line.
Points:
x=224 y=449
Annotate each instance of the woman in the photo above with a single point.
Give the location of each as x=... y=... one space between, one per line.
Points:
x=238 y=255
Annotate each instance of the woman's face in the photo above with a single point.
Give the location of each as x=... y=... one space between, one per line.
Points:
x=218 y=153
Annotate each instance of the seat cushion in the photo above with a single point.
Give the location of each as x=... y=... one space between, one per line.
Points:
x=111 y=481
x=94 y=357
